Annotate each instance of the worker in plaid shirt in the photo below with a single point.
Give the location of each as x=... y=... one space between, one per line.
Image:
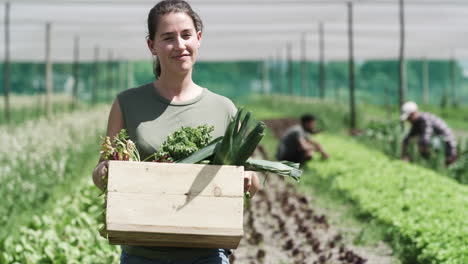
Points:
x=424 y=126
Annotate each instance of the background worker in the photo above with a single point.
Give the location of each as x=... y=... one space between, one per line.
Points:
x=296 y=144
x=424 y=126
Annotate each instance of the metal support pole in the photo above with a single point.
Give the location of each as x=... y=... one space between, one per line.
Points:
x=118 y=76
x=280 y=71
x=7 y=70
x=271 y=74
x=49 y=74
x=75 y=71
x=322 y=61
x=264 y=76
x=453 y=83
x=123 y=70
x=130 y=80
x=109 y=77
x=303 y=65
x=425 y=81
x=352 y=103
x=402 y=56
x=290 y=68
x=387 y=102
x=96 y=76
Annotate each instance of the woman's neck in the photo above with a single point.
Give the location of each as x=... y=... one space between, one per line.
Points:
x=178 y=88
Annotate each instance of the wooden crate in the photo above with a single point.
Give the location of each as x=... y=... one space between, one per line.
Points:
x=176 y=205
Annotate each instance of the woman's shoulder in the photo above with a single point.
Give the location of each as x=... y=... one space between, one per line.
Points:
x=134 y=95
x=136 y=91
x=220 y=101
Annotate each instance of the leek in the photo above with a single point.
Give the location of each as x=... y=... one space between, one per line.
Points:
x=238 y=144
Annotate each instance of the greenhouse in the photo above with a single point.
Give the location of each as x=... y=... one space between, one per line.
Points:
x=350 y=142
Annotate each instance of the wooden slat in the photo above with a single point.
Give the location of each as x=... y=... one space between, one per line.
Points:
x=174 y=240
x=181 y=205
x=192 y=179
x=177 y=230
x=150 y=212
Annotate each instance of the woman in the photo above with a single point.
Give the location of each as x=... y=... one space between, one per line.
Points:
x=152 y=111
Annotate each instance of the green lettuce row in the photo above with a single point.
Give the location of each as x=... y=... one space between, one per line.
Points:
x=426 y=212
x=41 y=158
x=66 y=234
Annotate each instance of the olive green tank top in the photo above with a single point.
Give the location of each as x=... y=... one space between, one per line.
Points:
x=149 y=118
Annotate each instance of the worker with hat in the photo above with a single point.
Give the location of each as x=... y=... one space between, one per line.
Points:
x=423 y=127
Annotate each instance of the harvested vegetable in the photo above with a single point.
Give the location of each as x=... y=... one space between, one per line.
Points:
x=238 y=144
x=193 y=145
x=183 y=143
x=121 y=148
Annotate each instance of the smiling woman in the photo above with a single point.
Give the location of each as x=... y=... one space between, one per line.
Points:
x=152 y=111
x=175 y=32
x=176 y=44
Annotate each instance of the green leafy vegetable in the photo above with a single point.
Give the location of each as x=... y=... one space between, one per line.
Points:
x=182 y=143
x=238 y=144
x=283 y=168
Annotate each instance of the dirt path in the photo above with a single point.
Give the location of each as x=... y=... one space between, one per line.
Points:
x=284 y=226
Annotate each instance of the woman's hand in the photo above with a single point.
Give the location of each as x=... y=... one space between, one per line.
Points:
x=251 y=182
x=99 y=172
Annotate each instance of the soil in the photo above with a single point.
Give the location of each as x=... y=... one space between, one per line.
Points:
x=279 y=126
x=282 y=225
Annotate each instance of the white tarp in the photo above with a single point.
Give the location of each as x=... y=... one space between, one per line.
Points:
x=242 y=29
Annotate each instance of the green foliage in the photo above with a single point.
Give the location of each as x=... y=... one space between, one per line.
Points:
x=182 y=143
x=424 y=212
x=459 y=169
x=240 y=140
x=376 y=80
x=332 y=116
x=231 y=79
x=375 y=76
x=388 y=136
x=43 y=157
x=455 y=117
x=105 y=77
x=24 y=108
x=48 y=212
x=67 y=233
x=239 y=143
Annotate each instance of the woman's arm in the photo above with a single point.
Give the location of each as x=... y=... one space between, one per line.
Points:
x=115 y=123
x=251 y=182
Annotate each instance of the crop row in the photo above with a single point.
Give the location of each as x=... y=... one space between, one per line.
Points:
x=387 y=137
x=280 y=226
x=40 y=156
x=18 y=102
x=425 y=212
x=68 y=233
x=30 y=107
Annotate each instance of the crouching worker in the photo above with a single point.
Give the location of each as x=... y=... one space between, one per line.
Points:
x=296 y=144
x=423 y=127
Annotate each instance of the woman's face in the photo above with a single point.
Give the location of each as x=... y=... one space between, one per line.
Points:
x=176 y=43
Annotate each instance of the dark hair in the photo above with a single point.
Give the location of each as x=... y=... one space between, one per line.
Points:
x=165 y=7
x=306 y=118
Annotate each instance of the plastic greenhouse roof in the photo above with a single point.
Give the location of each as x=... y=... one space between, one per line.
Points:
x=242 y=29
